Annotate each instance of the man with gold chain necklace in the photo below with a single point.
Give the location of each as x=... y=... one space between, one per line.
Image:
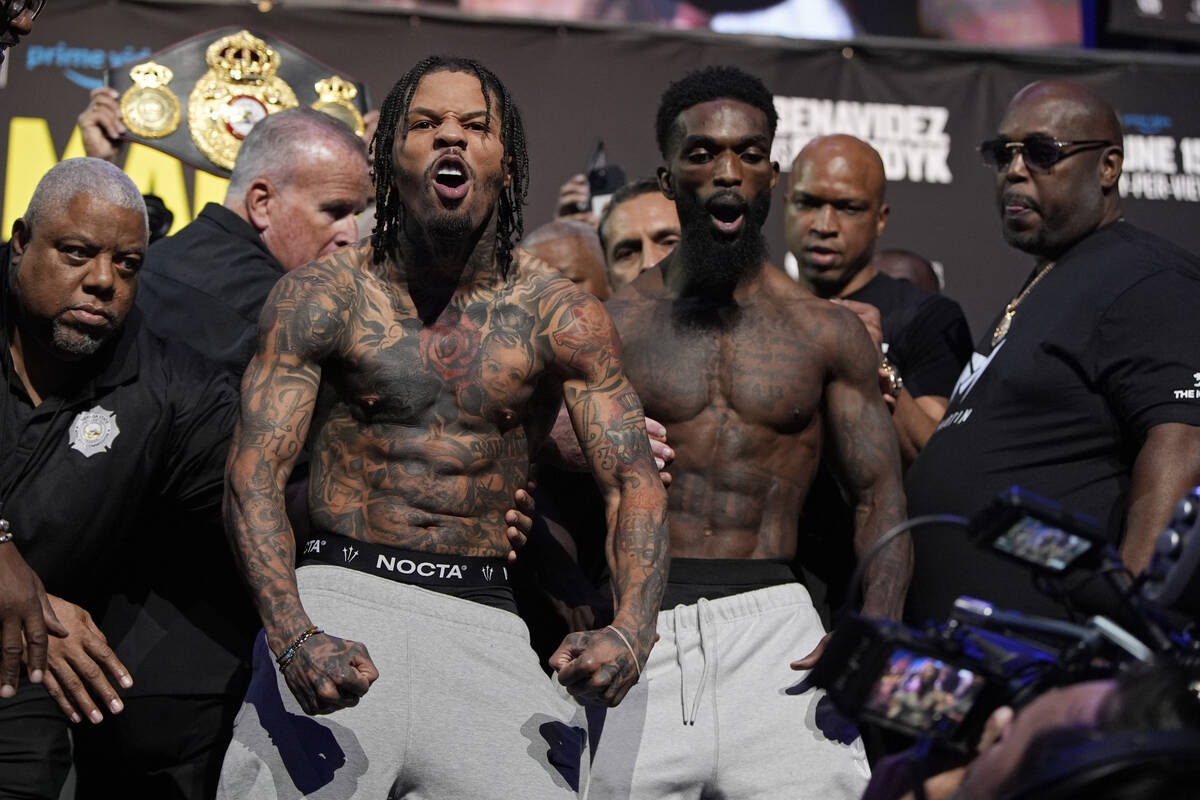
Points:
x=1081 y=390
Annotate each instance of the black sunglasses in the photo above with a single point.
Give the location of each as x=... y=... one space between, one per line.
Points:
x=1038 y=151
x=15 y=8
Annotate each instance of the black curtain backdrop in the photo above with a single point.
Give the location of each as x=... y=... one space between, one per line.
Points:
x=924 y=105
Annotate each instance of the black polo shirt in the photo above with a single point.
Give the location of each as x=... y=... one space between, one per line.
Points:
x=207 y=284
x=140 y=439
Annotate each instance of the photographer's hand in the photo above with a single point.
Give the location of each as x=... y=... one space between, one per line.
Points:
x=810 y=660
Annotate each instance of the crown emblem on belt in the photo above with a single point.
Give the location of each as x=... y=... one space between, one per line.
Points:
x=149 y=108
x=239 y=89
x=242 y=57
x=334 y=97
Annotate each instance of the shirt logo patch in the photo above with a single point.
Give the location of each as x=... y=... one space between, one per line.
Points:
x=972 y=372
x=93 y=431
x=1192 y=393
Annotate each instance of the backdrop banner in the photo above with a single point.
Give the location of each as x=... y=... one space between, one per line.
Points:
x=925 y=107
x=1177 y=20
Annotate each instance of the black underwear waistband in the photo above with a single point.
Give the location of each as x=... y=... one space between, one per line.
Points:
x=436 y=570
x=731 y=571
x=691 y=579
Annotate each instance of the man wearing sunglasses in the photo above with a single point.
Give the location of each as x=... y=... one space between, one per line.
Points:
x=1080 y=390
x=18 y=21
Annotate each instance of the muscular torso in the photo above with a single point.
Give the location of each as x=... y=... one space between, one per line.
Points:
x=740 y=391
x=424 y=428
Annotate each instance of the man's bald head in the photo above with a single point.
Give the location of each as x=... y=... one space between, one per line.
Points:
x=906 y=265
x=1045 y=209
x=835 y=212
x=860 y=158
x=1080 y=107
x=572 y=248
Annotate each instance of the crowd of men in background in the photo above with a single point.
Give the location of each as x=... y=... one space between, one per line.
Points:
x=319 y=584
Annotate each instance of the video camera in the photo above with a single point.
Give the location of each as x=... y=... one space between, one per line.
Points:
x=942 y=683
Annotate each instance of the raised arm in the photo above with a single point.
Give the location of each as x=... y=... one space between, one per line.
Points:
x=600 y=666
x=868 y=460
x=300 y=323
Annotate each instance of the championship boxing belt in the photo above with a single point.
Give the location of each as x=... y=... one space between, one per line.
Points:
x=197 y=100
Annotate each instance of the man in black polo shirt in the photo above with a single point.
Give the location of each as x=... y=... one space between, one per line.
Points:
x=108 y=432
x=1082 y=390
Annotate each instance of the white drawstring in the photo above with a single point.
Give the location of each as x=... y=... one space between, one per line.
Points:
x=704 y=632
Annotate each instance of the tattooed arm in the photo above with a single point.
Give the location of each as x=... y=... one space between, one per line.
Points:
x=867 y=455
x=300 y=323
x=600 y=666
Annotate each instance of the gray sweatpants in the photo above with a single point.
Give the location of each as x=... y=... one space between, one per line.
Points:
x=461 y=708
x=712 y=715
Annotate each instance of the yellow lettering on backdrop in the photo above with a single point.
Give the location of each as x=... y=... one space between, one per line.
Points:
x=209 y=189
x=31 y=154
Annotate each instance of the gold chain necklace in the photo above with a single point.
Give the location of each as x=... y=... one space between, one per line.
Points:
x=1010 y=310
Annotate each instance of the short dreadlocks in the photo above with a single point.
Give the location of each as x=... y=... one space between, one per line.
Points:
x=389 y=212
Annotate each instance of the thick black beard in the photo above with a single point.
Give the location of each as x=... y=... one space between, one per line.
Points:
x=714 y=264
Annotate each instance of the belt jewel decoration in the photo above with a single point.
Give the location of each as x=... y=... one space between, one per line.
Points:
x=334 y=95
x=149 y=108
x=239 y=89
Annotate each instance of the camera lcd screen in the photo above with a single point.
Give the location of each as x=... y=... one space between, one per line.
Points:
x=1038 y=543
x=920 y=693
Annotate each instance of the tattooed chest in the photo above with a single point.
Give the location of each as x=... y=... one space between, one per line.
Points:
x=480 y=366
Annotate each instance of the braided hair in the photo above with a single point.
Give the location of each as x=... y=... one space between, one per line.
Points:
x=389 y=211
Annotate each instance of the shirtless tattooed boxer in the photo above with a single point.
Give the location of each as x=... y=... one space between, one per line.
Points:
x=440 y=355
x=754 y=378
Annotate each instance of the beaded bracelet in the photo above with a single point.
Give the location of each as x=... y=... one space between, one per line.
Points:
x=286 y=657
x=6 y=537
x=5 y=533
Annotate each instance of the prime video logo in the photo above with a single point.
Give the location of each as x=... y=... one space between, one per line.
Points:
x=71 y=60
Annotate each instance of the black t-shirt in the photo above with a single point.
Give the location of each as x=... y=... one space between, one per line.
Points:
x=1099 y=352
x=925 y=334
x=207 y=284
